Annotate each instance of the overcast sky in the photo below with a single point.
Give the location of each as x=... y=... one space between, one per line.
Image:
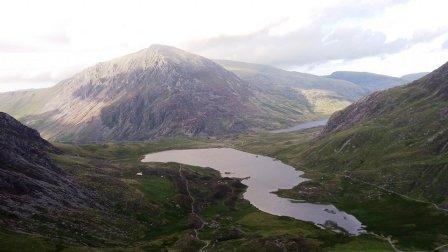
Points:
x=43 y=42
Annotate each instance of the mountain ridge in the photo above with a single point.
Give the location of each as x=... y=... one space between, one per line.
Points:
x=324 y=95
x=162 y=91
x=158 y=91
x=368 y=81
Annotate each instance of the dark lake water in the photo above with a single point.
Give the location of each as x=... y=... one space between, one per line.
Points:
x=265 y=176
x=302 y=126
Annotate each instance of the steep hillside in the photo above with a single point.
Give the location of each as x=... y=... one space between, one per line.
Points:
x=383 y=159
x=156 y=92
x=395 y=138
x=368 y=81
x=324 y=95
x=29 y=181
x=31 y=185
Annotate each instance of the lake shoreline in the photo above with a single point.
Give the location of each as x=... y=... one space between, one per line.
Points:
x=266 y=175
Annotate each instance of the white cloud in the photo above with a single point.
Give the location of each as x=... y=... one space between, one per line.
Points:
x=445 y=45
x=44 y=41
x=335 y=34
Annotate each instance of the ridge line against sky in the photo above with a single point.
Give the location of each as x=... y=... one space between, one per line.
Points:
x=43 y=42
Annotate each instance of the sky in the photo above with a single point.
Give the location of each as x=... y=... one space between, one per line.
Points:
x=43 y=42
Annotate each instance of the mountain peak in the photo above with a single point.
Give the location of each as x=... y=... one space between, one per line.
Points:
x=155 y=92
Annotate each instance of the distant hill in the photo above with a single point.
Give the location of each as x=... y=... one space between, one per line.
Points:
x=325 y=95
x=368 y=81
x=413 y=76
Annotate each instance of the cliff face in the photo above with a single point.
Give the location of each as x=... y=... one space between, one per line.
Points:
x=29 y=181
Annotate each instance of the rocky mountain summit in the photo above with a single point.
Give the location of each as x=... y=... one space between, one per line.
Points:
x=29 y=180
x=162 y=91
x=156 y=92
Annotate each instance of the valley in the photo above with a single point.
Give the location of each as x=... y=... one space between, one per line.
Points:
x=360 y=188
x=159 y=204
x=411 y=223
x=263 y=175
x=227 y=126
x=152 y=211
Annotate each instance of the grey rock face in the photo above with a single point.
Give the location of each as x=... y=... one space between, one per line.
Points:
x=29 y=181
x=156 y=92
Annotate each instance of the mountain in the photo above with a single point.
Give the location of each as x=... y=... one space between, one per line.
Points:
x=325 y=95
x=30 y=183
x=413 y=76
x=156 y=92
x=368 y=81
x=396 y=139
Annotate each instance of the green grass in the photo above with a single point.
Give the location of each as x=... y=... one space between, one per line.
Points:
x=414 y=225
x=21 y=242
x=366 y=244
x=151 y=212
x=400 y=152
x=157 y=188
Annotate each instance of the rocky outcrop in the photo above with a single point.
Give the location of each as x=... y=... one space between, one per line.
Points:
x=29 y=181
x=365 y=108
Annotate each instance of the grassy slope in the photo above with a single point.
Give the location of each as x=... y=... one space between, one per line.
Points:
x=325 y=102
x=415 y=225
x=297 y=96
x=24 y=103
x=151 y=212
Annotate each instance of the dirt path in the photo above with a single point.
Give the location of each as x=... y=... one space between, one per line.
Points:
x=388 y=239
x=441 y=247
x=193 y=210
x=399 y=194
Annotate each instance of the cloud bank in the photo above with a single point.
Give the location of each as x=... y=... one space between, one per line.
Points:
x=332 y=35
x=43 y=42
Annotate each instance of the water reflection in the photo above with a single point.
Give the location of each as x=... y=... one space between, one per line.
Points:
x=265 y=176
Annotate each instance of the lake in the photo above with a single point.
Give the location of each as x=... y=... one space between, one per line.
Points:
x=264 y=176
x=301 y=126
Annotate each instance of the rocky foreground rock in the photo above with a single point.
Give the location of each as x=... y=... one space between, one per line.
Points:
x=30 y=182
